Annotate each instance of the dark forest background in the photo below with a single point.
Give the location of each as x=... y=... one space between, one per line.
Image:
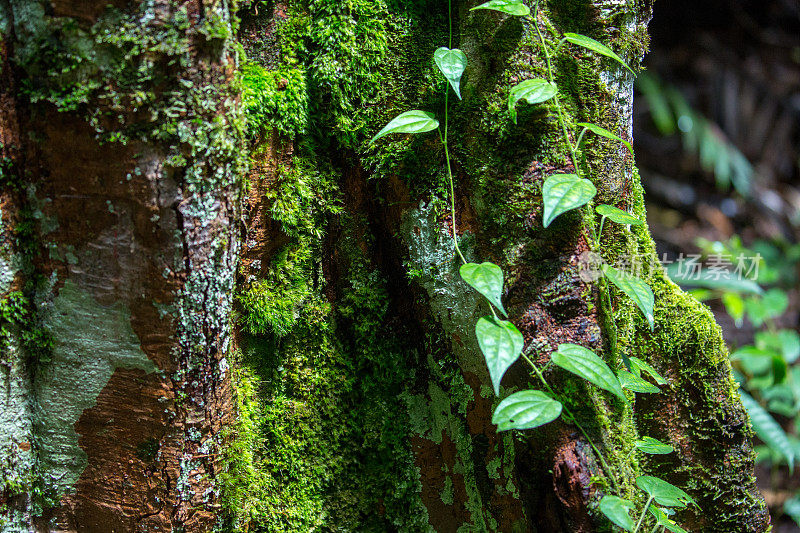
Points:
x=717 y=131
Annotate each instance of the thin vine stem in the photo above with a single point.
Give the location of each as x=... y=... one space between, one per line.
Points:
x=604 y=288
x=574 y=420
x=551 y=79
x=644 y=513
x=447 y=148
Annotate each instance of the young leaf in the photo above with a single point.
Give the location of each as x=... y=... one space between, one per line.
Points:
x=618 y=511
x=563 y=192
x=526 y=410
x=636 y=289
x=634 y=383
x=409 y=122
x=501 y=344
x=618 y=215
x=532 y=91
x=642 y=366
x=602 y=132
x=511 y=7
x=653 y=446
x=662 y=492
x=768 y=429
x=663 y=520
x=487 y=279
x=586 y=364
x=594 y=46
x=452 y=64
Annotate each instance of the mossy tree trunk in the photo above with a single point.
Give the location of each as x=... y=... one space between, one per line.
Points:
x=123 y=142
x=360 y=399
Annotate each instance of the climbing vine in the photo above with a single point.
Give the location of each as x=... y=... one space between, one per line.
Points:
x=499 y=339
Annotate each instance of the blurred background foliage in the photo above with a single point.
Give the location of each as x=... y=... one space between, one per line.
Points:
x=717 y=122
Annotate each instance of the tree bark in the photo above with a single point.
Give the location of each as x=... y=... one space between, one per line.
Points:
x=124 y=139
x=358 y=398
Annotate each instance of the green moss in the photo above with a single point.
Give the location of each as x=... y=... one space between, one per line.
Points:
x=301 y=199
x=321 y=440
x=275 y=99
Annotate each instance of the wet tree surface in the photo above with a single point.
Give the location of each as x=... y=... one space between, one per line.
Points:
x=224 y=310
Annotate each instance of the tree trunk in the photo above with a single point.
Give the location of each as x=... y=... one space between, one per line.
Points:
x=358 y=398
x=124 y=143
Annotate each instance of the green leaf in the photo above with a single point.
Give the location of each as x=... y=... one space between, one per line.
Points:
x=487 y=279
x=618 y=215
x=511 y=7
x=753 y=361
x=452 y=64
x=790 y=344
x=734 y=305
x=662 y=492
x=532 y=91
x=653 y=446
x=526 y=410
x=594 y=46
x=636 y=289
x=663 y=520
x=792 y=508
x=501 y=344
x=586 y=364
x=642 y=366
x=767 y=429
x=634 y=383
x=698 y=279
x=772 y=304
x=594 y=128
x=409 y=122
x=618 y=511
x=563 y=192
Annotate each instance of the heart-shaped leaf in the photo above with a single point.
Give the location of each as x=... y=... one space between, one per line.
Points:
x=663 y=520
x=511 y=7
x=501 y=344
x=409 y=122
x=532 y=91
x=618 y=511
x=618 y=215
x=641 y=366
x=452 y=64
x=594 y=46
x=634 y=383
x=636 y=289
x=653 y=446
x=487 y=279
x=594 y=128
x=563 y=192
x=662 y=492
x=768 y=429
x=586 y=364
x=526 y=410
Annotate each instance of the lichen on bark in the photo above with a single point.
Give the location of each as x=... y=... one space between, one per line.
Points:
x=131 y=151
